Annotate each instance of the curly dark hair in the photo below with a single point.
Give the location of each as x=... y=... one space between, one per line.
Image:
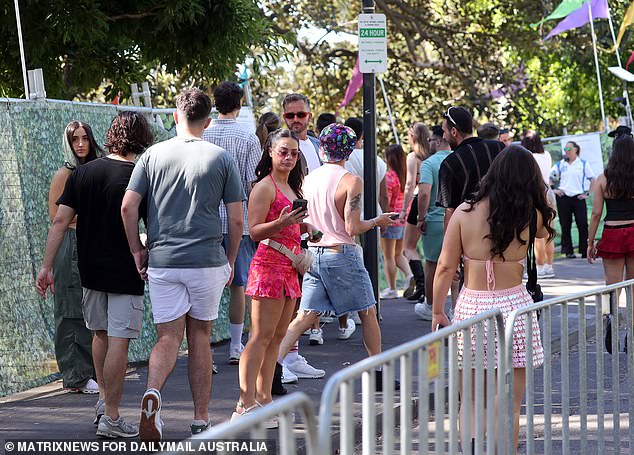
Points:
x=620 y=169
x=129 y=132
x=515 y=189
x=264 y=167
x=228 y=97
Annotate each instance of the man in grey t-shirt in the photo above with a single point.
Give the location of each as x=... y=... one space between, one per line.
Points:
x=184 y=180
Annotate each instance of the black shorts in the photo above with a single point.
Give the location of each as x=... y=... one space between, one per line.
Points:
x=412 y=218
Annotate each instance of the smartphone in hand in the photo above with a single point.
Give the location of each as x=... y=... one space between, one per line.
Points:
x=300 y=204
x=394 y=216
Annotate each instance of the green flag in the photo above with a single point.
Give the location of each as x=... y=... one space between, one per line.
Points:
x=566 y=7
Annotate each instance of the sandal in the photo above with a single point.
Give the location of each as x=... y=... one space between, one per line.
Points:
x=269 y=423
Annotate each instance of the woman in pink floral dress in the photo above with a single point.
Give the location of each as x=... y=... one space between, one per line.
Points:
x=273 y=282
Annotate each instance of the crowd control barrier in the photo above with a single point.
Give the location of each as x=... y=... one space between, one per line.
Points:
x=574 y=408
x=424 y=359
x=287 y=436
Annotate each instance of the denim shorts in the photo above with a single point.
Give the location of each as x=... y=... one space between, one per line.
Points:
x=393 y=233
x=246 y=251
x=337 y=281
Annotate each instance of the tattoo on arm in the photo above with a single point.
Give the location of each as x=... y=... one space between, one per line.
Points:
x=355 y=202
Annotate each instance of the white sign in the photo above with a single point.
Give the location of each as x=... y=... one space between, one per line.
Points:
x=372 y=43
x=589 y=149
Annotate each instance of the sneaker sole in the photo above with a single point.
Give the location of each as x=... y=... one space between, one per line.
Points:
x=315 y=342
x=148 y=430
x=291 y=381
x=116 y=434
x=234 y=361
x=309 y=376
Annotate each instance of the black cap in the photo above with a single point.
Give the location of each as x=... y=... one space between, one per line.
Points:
x=620 y=130
x=460 y=118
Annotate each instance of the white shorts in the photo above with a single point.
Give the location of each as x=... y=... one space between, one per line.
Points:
x=196 y=292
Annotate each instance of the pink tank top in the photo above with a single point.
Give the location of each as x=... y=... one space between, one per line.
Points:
x=320 y=187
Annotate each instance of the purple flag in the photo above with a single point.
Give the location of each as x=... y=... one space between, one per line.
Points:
x=580 y=17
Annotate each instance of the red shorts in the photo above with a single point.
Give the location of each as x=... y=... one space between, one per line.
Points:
x=616 y=242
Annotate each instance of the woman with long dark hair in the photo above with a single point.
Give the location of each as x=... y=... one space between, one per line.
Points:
x=491 y=234
x=267 y=123
x=392 y=236
x=544 y=251
x=73 y=341
x=615 y=187
x=418 y=139
x=273 y=283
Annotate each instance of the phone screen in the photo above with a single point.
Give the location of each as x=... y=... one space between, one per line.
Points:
x=300 y=203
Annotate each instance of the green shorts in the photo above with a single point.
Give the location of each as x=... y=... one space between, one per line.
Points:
x=432 y=240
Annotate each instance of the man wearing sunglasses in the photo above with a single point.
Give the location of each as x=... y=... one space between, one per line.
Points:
x=460 y=173
x=297 y=116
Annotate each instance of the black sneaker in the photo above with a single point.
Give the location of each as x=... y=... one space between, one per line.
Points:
x=277 y=389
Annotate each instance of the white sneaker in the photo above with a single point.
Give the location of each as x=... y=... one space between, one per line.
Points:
x=423 y=311
x=287 y=375
x=346 y=333
x=316 y=337
x=303 y=370
x=234 y=354
x=388 y=293
x=90 y=388
x=548 y=271
x=355 y=317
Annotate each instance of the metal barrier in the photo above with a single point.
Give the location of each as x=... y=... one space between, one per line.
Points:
x=251 y=426
x=430 y=354
x=588 y=432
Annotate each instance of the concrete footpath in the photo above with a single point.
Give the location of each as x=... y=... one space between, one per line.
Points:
x=50 y=412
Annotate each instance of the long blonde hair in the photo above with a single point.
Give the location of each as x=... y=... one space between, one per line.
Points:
x=420 y=139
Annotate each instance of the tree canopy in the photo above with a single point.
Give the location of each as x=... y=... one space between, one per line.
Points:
x=481 y=54
x=81 y=43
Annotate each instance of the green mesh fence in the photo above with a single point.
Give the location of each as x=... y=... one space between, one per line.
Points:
x=30 y=153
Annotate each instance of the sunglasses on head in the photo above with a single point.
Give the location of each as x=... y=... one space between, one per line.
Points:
x=291 y=115
x=284 y=152
x=447 y=115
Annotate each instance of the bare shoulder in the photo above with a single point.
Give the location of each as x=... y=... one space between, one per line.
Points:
x=60 y=177
x=264 y=188
x=350 y=181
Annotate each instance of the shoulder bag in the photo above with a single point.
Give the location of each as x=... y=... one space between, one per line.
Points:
x=534 y=289
x=301 y=262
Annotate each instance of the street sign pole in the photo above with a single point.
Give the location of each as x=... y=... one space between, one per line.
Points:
x=370 y=239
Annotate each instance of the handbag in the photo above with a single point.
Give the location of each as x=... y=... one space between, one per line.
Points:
x=534 y=289
x=301 y=262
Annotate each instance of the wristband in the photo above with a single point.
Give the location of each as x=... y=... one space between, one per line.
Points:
x=374 y=222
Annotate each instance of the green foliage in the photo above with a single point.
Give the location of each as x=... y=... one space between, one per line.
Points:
x=81 y=43
x=454 y=52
